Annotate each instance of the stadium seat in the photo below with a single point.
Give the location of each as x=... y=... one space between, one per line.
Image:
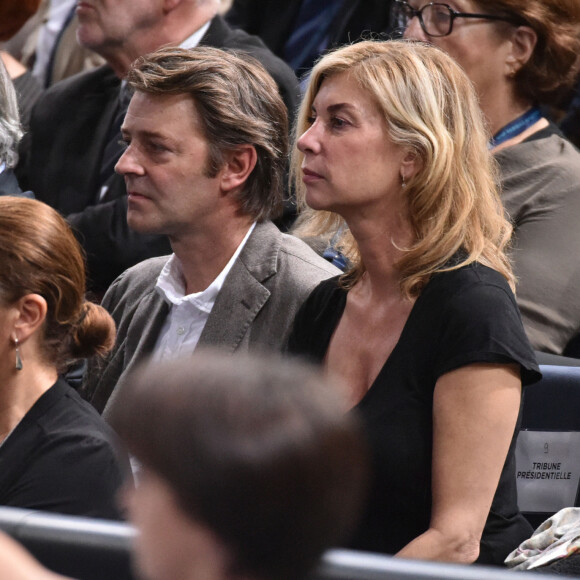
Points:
x=548 y=445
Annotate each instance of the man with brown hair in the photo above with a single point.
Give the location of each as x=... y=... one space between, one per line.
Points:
x=206 y=137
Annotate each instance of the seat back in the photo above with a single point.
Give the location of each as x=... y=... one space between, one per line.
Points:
x=89 y=549
x=350 y=565
x=78 y=547
x=548 y=445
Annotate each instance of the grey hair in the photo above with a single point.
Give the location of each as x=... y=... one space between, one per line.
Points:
x=10 y=128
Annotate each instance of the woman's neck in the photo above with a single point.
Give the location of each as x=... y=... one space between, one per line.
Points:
x=501 y=116
x=501 y=104
x=501 y=107
x=20 y=391
x=381 y=243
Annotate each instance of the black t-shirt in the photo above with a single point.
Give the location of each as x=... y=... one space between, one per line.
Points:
x=62 y=457
x=461 y=317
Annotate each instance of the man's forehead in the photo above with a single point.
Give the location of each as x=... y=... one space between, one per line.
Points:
x=145 y=107
x=164 y=100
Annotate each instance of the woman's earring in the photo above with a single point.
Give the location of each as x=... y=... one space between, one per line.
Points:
x=18 y=365
x=403 y=184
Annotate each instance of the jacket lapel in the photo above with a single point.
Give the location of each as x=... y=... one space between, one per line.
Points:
x=96 y=109
x=216 y=34
x=243 y=294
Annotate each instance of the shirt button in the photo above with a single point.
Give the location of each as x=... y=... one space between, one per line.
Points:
x=181 y=330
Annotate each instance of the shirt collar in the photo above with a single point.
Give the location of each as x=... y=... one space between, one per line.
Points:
x=171 y=283
x=193 y=40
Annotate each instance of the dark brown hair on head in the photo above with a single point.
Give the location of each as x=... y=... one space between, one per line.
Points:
x=39 y=254
x=554 y=63
x=14 y=14
x=258 y=449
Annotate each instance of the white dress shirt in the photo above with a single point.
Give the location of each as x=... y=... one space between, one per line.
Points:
x=188 y=314
x=48 y=34
x=193 y=40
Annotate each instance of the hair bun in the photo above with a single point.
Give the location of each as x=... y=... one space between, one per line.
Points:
x=94 y=333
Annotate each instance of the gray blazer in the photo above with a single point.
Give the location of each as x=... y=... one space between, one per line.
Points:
x=269 y=281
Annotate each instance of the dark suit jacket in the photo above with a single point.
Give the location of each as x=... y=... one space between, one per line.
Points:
x=61 y=158
x=273 y=21
x=261 y=294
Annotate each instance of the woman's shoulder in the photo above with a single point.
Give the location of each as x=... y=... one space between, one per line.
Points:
x=542 y=150
x=472 y=277
x=317 y=318
x=63 y=416
x=64 y=458
x=476 y=318
x=328 y=290
x=473 y=297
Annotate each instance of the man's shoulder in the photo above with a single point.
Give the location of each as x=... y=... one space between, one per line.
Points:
x=299 y=252
x=139 y=279
x=222 y=35
x=293 y=262
x=87 y=91
x=83 y=83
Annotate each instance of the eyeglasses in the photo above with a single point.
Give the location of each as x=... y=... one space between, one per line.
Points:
x=436 y=19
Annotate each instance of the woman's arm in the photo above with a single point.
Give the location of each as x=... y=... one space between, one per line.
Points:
x=475 y=410
x=17 y=564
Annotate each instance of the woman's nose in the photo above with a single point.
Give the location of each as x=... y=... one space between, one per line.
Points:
x=308 y=141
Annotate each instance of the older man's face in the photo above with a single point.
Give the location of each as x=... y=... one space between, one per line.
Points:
x=109 y=25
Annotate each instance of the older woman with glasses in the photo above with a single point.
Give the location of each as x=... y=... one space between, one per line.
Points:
x=520 y=55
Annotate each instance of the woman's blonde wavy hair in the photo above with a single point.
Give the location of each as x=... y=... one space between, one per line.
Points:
x=431 y=109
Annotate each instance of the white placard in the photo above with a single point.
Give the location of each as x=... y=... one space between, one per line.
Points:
x=547 y=470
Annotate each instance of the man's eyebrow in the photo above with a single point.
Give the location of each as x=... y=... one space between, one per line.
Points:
x=144 y=133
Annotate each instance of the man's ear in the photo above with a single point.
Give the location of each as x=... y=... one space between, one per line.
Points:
x=31 y=314
x=239 y=163
x=523 y=42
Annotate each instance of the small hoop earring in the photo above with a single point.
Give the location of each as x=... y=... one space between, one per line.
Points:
x=18 y=365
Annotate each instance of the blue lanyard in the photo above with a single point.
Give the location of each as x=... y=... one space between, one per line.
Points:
x=516 y=127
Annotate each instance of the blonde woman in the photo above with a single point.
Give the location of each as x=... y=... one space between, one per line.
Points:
x=424 y=328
